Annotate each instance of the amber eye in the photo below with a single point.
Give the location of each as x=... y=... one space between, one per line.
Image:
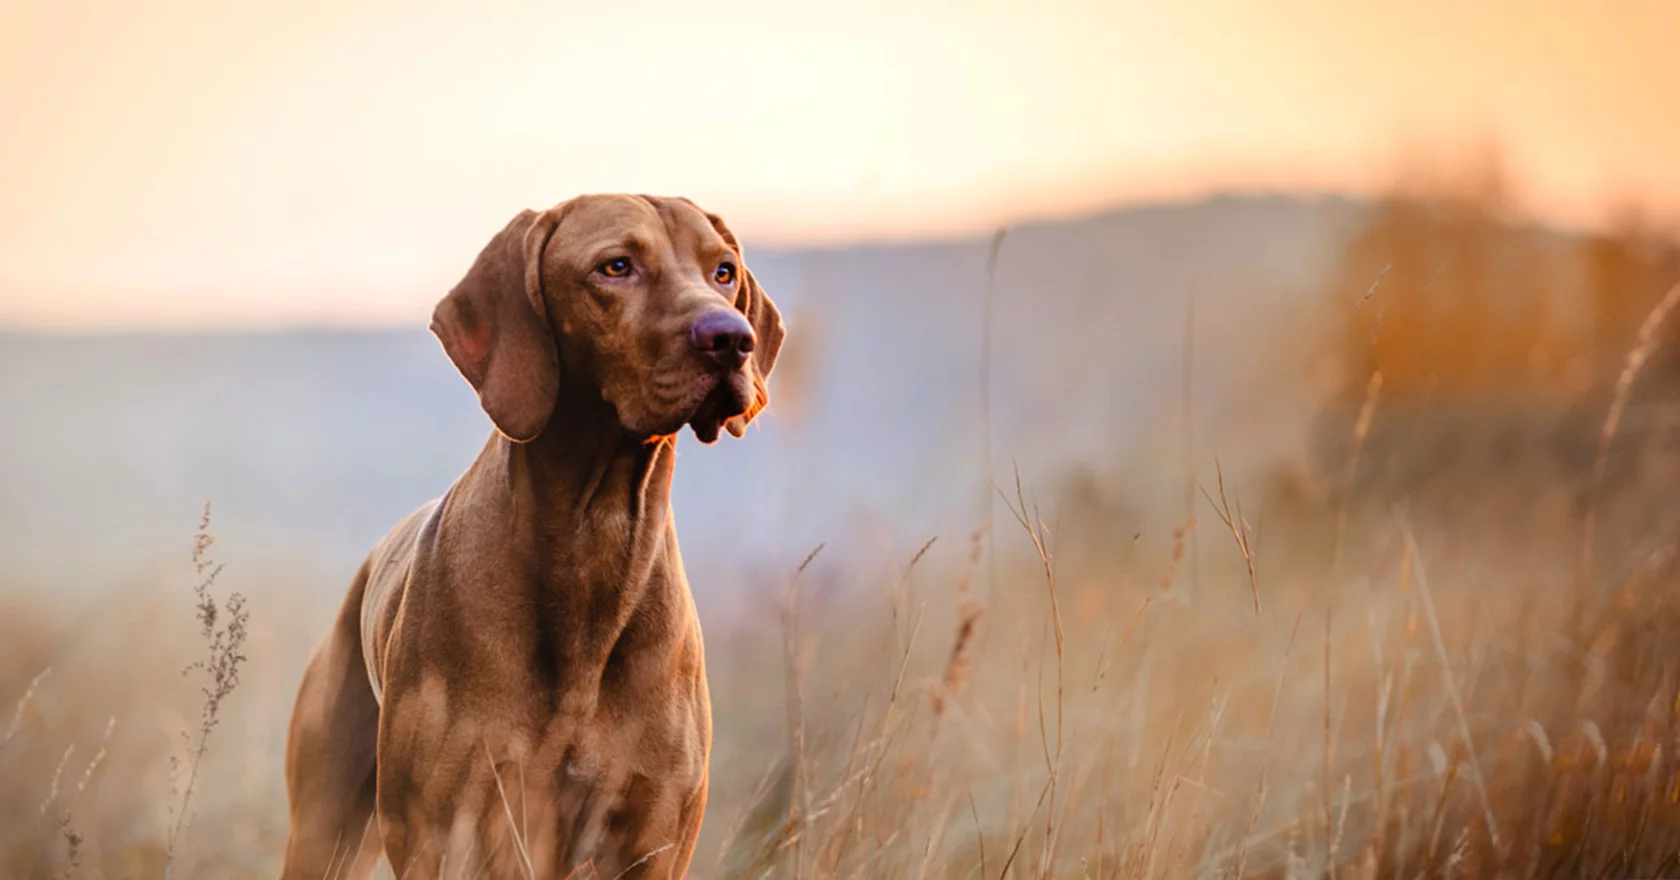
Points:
x=615 y=268
x=725 y=274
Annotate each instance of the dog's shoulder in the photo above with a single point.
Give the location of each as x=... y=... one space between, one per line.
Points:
x=396 y=549
x=388 y=573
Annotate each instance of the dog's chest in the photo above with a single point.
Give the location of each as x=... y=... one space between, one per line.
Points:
x=628 y=767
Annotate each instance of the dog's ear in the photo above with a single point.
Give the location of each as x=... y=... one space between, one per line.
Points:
x=494 y=327
x=766 y=321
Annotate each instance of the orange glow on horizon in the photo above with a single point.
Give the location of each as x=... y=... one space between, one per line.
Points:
x=197 y=162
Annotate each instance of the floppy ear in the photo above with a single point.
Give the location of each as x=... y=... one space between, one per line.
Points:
x=494 y=327
x=766 y=322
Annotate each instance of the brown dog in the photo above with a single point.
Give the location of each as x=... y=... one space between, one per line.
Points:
x=515 y=685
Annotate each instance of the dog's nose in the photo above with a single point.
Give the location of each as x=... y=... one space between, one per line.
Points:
x=724 y=336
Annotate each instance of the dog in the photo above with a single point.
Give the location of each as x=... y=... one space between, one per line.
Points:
x=515 y=684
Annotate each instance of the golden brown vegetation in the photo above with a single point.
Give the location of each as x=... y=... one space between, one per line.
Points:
x=1416 y=674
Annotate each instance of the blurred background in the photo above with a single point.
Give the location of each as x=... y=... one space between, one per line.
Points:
x=1261 y=305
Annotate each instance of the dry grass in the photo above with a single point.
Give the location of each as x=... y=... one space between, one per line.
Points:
x=1462 y=715
x=1400 y=679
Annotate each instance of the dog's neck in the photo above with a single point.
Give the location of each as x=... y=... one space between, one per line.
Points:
x=579 y=469
x=585 y=471
x=586 y=517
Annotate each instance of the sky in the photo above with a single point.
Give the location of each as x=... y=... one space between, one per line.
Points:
x=183 y=163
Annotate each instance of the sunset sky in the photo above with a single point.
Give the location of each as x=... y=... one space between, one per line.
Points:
x=204 y=162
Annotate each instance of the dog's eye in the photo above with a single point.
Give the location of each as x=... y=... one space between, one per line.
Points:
x=725 y=274
x=615 y=268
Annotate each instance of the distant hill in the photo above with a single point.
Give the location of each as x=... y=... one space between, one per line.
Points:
x=311 y=444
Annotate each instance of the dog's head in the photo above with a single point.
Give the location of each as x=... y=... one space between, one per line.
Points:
x=643 y=301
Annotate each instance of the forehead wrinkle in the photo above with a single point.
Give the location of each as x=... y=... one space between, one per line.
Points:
x=636 y=243
x=659 y=231
x=604 y=215
x=697 y=236
x=594 y=237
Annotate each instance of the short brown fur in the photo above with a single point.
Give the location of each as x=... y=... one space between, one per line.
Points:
x=538 y=703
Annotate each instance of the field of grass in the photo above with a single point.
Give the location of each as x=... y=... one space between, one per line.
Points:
x=1446 y=646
